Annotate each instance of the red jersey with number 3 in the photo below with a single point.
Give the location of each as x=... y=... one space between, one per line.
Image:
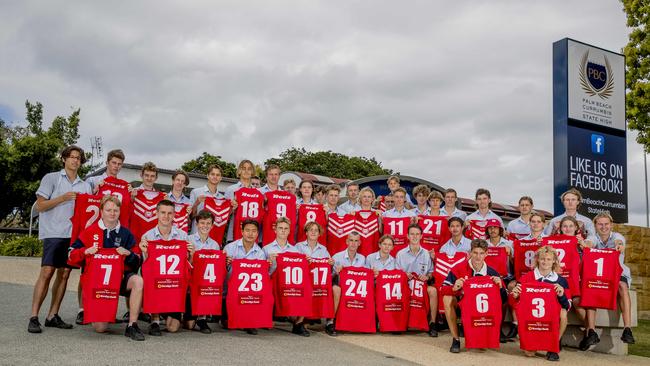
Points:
x=418 y=304
x=366 y=223
x=208 y=276
x=250 y=206
x=320 y=272
x=165 y=277
x=601 y=273
x=398 y=228
x=181 y=216
x=101 y=280
x=292 y=285
x=476 y=229
x=356 y=311
x=86 y=213
x=220 y=210
x=481 y=312
x=538 y=313
x=278 y=204
x=435 y=231
x=497 y=258
x=567 y=251
x=308 y=213
x=250 y=296
x=338 y=228
x=120 y=189
x=143 y=217
x=524 y=254
x=392 y=300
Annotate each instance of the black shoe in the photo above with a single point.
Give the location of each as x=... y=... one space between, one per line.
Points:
x=455 y=346
x=299 y=329
x=133 y=331
x=203 y=326
x=154 y=330
x=461 y=332
x=552 y=356
x=224 y=323
x=34 y=325
x=503 y=338
x=513 y=331
x=329 y=329
x=80 y=318
x=589 y=340
x=144 y=317
x=627 y=336
x=57 y=322
x=251 y=331
x=432 y=330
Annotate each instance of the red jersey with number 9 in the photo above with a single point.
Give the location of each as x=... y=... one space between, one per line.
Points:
x=101 y=280
x=86 y=213
x=524 y=254
x=292 y=285
x=250 y=296
x=321 y=279
x=601 y=273
x=250 y=206
x=435 y=231
x=356 y=311
x=397 y=227
x=120 y=189
x=481 y=312
x=208 y=276
x=278 y=204
x=308 y=213
x=165 y=277
x=418 y=305
x=538 y=313
x=392 y=300
x=567 y=251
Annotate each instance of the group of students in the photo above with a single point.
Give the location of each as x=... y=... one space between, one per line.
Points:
x=430 y=243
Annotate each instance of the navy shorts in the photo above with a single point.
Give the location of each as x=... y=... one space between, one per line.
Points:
x=125 y=281
x=55 y=252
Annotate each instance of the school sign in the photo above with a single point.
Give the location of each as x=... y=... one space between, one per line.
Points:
x=589 y=128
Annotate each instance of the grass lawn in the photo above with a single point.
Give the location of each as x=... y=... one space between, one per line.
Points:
x=642 y=337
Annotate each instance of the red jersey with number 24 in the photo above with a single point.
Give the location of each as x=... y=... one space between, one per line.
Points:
x=356 y=312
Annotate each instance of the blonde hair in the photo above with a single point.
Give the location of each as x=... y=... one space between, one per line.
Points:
x=310 y=224
x=547 y=249
x=109 y=198
x=240 y=167
x=603 y=215
x=367 y=189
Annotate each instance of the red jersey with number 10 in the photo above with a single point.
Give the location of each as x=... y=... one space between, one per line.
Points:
x=321 y=279
x=481 y=312
x=392 y=299
x=397 y=227
x=250 y=296
x=366 y=223
x=143 y=217
x=524 y=254
x=418 y=305
x=308 y=213
x=278 y=204
x=220 y=210
x=435 y=231
x=538 y=313
x=250 y=206
x=165 y=276
x=567 y=251
x=208 y=276
x=181 y=216
x=120 y=189
x=338 y=228
x=86 y=213
x=101 y=280
x=356 y=312
x=292 y=285
x=601 y=273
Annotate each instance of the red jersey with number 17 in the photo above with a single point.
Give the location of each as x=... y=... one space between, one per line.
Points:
x=322 y=298
x=165 y=276
x=120 y=189
x=366 y=223
x=308 y=213
x=481 y=312
x=220 y=210
x=392 y=300
x=101 y=280
x=601 y=273
x=278 y=204
x=338 y=228
x=86 y=213
x=208 y=276
x=356 y=312
x=250 y=206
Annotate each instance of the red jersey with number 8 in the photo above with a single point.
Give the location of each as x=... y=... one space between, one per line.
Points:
x=524 y=254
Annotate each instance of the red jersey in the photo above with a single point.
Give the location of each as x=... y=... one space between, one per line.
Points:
x=481 y=312
x=476 y=229
x=338 y=228
x=292 y=286
x=220 y=210
x=120 y=189
x=143 y=217
x=418 y=304
x=397 y=227
x=524 y=254
x=366 y=223
x=497 y=258
x=567 y=251
x=538 y=313
x=86 y=213
x=321 y=279
x=356 y=312
x=250 y=296
x=250 y=206
x=601 y=273
x=392 y=300
x=278 y=204
x=208 y=276
x=308 y=213
x=165 y=277
x=435 y=231
x=181 y=216
x=443 y=264
x=382 y=204
x=101 y=280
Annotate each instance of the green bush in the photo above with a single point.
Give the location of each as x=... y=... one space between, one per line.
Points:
x=22 y=246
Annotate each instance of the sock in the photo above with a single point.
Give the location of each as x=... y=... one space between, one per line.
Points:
x=80 y=310
x=330 y=321
x=156 y=321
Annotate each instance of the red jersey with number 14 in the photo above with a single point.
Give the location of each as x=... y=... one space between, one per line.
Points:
x=538 y=313
x=220 y=210
x=338 y=228
x=292 y=285
x=86 y=213
x=392 y=300
x=321 y=279
x=308 y=213
x=250 y=296
x=250 y=206
x=208 y=276
x=601 y=273
x=101 y=280
x=278 y=204
x=435 y=231
x=481 y=312
x=356 y=312
x=366 y=223
x=397 y=227
x=120 y=189
x=165 y=277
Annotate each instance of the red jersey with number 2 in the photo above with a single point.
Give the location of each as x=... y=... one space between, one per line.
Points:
x=481 y=312
x=165 y=277
x=567 y=251
x=292 y=285
x=356 y=311
x=250 y=206
x=250 y=296
x=320 y=272
x=601 y=273
x=101 y=280
x=86 y=213
x=208 y=276
x=392 y=300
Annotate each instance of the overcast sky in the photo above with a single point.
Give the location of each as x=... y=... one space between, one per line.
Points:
x=456 y=92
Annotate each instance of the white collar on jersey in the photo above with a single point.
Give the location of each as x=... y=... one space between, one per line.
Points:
x=482 y=271
x=103 y=227
x=551 y=277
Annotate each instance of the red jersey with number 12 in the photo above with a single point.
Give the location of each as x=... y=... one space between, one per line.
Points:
x=165 y=277
x=567 y=251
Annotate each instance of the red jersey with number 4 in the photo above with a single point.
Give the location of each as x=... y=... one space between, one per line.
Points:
x=338 y=228
x=143 y=217
x=418 y=304
x=481 y=312
x=86 y=213
x=120 y=189
x=165 y=277
x=278 y=204
x=435 y=231
x=250 y=206
x=308 y=213
x=356 y=312
x=567 y=251
x=101 y=280
x=292 y=285
x=497 y=258
x=208 y=276
x=601 y=273
x=397 y=227
x=366 y=223
x=538 y=313
x=220 y=210
x=322 y=300
x=250 y=296
x=476 y=229
x=181 y=216
x=524 y=254
x=392 y=300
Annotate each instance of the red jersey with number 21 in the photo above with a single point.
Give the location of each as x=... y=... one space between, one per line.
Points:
x=165 y=276
x=102 y=278
x=435 y=231
x=208 y=276
x=481 y=312
x=356 y=312
x=250 y=296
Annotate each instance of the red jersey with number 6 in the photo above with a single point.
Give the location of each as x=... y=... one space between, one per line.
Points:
x=435 y=231
x=338 y=228
x=250 y=296
x=208 y=276
x=418 y=305
x=601 y=273
x=524 y=254
x=278 y=204
x=366 y=223
x=321 y=279
x=292 y=285
x=567 y=251
x=101 y=280
x=220 y=210
x=308 y=213
x=86 y=213
x=538 y=313
x=356 y=312
x=120 y=189
x=481 y=312
x=392 y=300
x=250 y=206
x=397 y=227
x=165 y=277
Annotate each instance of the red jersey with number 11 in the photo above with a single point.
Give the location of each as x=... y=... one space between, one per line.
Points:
x=601 y=273
x=481 y=312
x=250 y=206
x=398 y=228
x=101 y=280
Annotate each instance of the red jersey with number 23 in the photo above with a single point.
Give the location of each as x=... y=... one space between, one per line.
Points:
x=356 y=311
x=481 y=312
x=102 y=278
x=250 y=296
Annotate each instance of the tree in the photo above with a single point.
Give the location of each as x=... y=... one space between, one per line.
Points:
x=201 y=164
x=328 y=163
x=637 y=59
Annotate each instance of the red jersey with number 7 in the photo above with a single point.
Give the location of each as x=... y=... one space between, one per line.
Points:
x=220 y=210
x=120 y=189
x=101 y=280
x=418 y=304
x=86 y=213
x=538 y=313
x=338 y=228
x=567 y=251
x=292 y=285
x=481 y=312
x=601 y=273
x=524 y=255
x=356 y=311
x=308 y=213
x=278 y=204
x=208 y=276
x=250 y=296
x=165 y=277
x=250 y=206
x=392 y=300
x=366 y=223
x=320 y=272
x=435 y=231
x=397 y=227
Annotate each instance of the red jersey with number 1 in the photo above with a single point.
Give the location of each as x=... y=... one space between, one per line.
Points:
x=398 y=228
x=120 y=189
x=435 y=231
x=366 y=223
x=481 y=312
x=250 y=296
x=338 y=228
x=278 y=204
x=320 y=272
x=418 y=304
x=165 y=277
x=101 y=280
x=181 y=216
x=250 y=206
x=524 y=254
x=143 y=217
x=392 y=300
x=567 y=251
x=356 y=312
x=292 y=285
x=308 y=213
x=601 y=273
x=86 y=213
x=220 y=210
x=538 y=313
x=208 y=276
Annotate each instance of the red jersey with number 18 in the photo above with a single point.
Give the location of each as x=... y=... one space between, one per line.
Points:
x=165 y=277
x=86 y=213
x=278 y=204
x=292 y=285
x=356 y=312
x=208 y=276
x=601 y=273
x=481 y=312
x=250 y=296
x=101 y=280
x=392 y=299
x=250 y=206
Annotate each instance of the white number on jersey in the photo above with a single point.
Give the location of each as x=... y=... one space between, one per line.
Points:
x=322 y=280
x=250 y=209
x=108 y=268
x=173 y=259
x=393 y=292
x=416 y=288
x=281 y=210
x=529 y=258
x=254 y=279
x=360 y=290
x=396 y=227
x=599 y=266
x=292 y=275
x=95 y=211
x=538 y=311
x=209 y=274
x=482 y=305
